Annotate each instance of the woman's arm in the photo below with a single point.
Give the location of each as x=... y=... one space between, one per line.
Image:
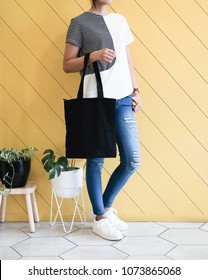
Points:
x=73 y=63
x=134 y=81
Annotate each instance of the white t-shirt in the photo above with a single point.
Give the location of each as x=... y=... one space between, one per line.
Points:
x=91 y=32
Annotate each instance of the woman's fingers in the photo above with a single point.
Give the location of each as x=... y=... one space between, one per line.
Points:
x=108 y=54
x=105 y=54
x=137 y=105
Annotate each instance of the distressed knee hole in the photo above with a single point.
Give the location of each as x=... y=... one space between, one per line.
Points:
x=135 y=163
x=131 y=122
x=100 y=166
x=97 y=165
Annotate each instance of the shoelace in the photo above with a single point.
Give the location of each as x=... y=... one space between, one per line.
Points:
x=115 y=211
x=115 y=217
x=109 y=222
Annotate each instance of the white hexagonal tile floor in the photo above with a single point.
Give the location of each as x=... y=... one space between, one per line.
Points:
x=205 y=227
x=11 y=237
x=40 y=258
x=7 y=253
x=13 y=225
x=180 y=225
x=142 y=241
x=136 y=257
x=186 y=236
x=44 y=229
x=189 y=252
x=86 y=236
x=143 y=229
x=50 y=246
x=94 y=253
x=144 y=246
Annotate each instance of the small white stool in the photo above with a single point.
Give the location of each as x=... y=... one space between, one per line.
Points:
x=29 y=191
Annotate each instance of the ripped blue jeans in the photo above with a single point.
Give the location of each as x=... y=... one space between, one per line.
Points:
x=127 y=140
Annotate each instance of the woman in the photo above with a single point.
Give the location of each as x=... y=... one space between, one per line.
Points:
x=106 y=36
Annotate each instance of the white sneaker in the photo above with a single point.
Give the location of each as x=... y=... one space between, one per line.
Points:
x=112 y=215
x=106 y=229
x=91 y=215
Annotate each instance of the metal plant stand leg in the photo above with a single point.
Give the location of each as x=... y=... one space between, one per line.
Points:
x=76 y=199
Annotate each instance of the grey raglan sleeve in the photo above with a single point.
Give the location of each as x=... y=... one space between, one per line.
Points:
x=74 y=33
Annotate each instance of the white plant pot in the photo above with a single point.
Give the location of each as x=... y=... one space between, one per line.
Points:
x=69 y=183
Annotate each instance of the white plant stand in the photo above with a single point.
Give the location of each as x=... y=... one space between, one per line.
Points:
x=69 y=186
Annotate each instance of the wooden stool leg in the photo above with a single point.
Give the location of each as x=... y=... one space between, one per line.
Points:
x=30 y=212
x=0 y=200
x=35 y=208
x=0 y=203
x=3 y=208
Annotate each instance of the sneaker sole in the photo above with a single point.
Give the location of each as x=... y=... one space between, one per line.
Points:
x=107 y=238
x=123 y=228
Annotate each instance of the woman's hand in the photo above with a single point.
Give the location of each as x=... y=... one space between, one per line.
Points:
x=106 y=55
x=137 y=104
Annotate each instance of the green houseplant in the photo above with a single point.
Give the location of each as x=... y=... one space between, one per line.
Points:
x=66 y=182
x=14 y=167
x=65 y=179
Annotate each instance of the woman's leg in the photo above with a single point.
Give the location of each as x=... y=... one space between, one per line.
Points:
x=102 y=226
x=129 y=149
x=94 y=184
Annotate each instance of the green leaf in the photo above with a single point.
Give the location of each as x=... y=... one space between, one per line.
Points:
x=63 y=162
x=46 y=158
x=56 y=169
x=52 y=173
x=47 y=166
x=49 y=151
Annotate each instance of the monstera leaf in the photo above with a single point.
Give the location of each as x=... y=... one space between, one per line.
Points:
x=54 y=167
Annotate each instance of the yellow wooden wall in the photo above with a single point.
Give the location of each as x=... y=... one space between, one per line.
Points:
x=170 y=58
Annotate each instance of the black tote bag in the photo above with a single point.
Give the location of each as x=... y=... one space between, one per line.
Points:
x=90 y=122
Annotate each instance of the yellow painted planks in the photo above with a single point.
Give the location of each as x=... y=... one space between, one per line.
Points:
x=193 y=16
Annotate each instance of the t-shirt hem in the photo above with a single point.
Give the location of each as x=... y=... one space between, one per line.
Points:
x=129 y=42
x=73 y=42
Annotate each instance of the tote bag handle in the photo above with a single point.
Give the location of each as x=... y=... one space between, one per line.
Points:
x=97 y=76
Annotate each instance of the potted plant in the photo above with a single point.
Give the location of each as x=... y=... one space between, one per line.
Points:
x=14 y=168
x=66 y=180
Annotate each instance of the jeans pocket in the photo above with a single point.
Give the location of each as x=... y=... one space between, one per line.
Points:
x=127 y=100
